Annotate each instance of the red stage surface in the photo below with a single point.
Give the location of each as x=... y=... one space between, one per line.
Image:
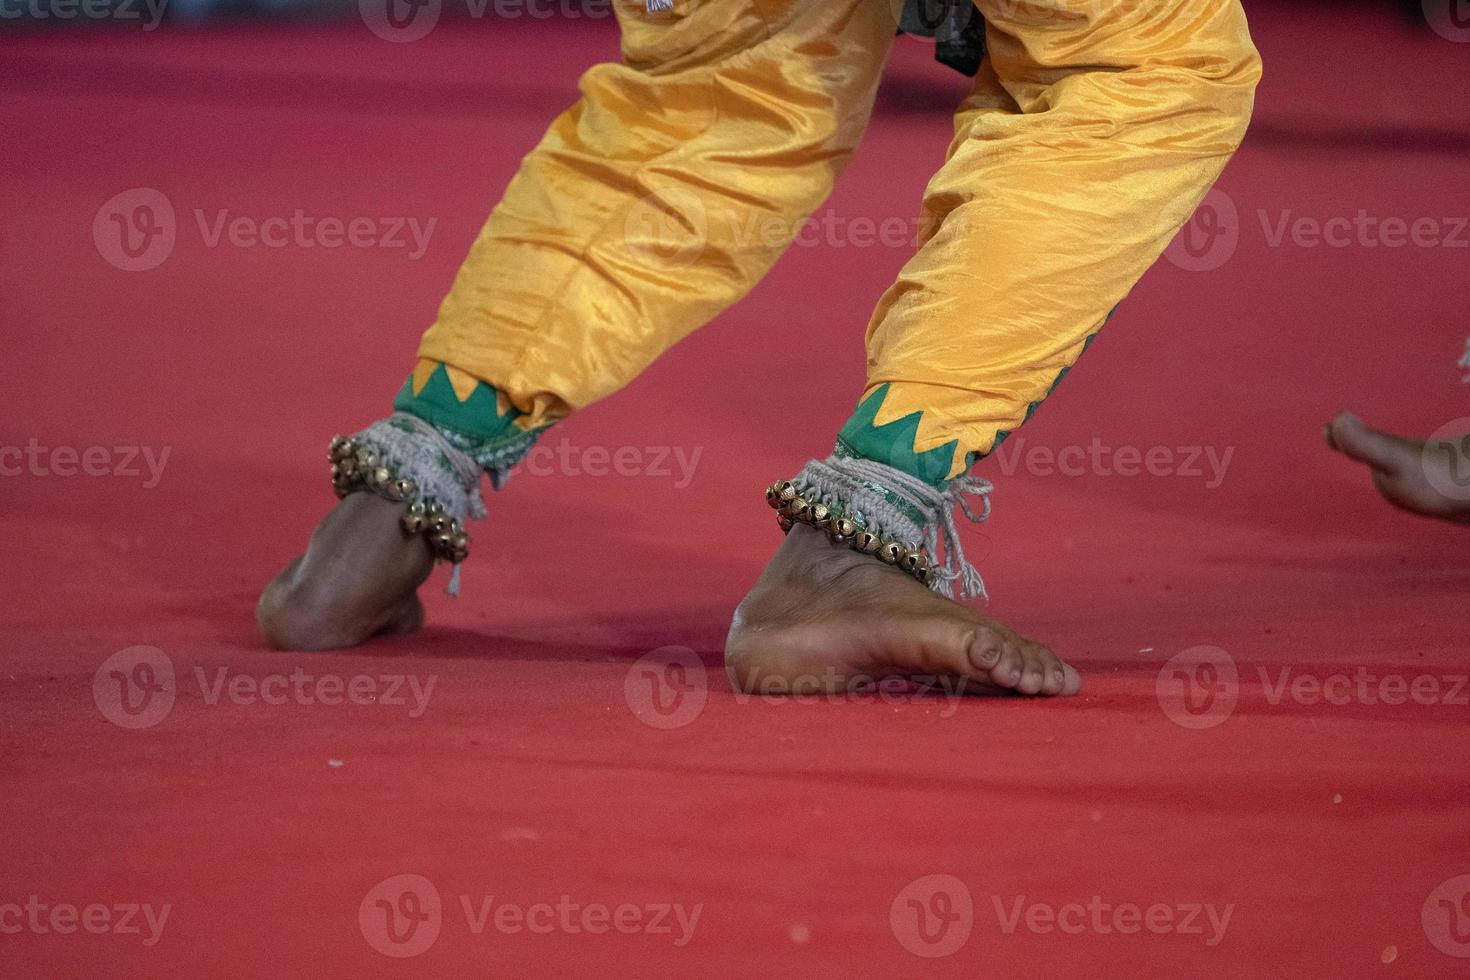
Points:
x=570 y=811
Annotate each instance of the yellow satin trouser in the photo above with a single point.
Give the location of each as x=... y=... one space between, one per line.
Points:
x=668 y=190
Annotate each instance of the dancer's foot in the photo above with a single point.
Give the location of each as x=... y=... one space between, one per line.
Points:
x=822 y=617
x=1410 y=473
x=359 y=578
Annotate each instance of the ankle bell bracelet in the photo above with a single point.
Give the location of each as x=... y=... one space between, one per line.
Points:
x=356 y=467
x=792 y=509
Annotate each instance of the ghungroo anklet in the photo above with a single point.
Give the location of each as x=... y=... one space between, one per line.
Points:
x=879 y=510
x=792 y=509
x=358 y=467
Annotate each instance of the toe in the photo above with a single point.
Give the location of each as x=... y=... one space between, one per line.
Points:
x=1010 y=669
x=1038 y=663
x=1054 y=677
x=1388 y=453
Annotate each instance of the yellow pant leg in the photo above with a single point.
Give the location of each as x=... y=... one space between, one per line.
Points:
x=658 y=199
x=1093 y=132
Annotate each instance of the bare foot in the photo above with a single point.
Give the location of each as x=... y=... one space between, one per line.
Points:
x=822 y=617
x=1412 y=474
x=359 y=578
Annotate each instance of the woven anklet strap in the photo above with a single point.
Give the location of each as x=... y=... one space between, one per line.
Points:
x=895 y=506
x=415 y=450
x=406 y=460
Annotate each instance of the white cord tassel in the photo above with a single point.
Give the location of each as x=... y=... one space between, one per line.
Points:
x=659 y=6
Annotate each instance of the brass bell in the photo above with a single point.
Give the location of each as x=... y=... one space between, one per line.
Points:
x=819 y=515
x=889 y=552
x=867 y=542
x=415 y=523
x=840 y=528
x=914 y=560
x=773 y=496
x=798 y=508
x=785 y=523
x=786 y=491
x=381 y=475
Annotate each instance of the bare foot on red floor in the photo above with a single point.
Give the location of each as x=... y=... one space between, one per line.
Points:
x=823 y=617
x=1428 y=478
x=359 y=578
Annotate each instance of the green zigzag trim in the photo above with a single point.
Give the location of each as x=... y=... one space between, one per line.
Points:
x=476 y=416
x=893 y=442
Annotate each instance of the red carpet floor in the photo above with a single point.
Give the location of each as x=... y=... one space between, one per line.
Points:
x=563 y=805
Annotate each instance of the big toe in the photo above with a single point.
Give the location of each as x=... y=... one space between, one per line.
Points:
x=1383 y=451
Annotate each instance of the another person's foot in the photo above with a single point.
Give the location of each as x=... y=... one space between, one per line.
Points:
x=1412 y=474
x=359 y=578
x=823 y=617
